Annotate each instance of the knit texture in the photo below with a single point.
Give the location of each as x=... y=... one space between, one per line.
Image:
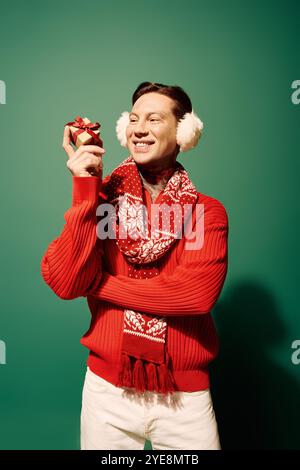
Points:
x=186 y=288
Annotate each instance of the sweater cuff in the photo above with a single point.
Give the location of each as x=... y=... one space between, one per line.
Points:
x=85 y=188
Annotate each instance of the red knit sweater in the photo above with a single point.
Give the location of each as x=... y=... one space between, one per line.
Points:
x=78 y=263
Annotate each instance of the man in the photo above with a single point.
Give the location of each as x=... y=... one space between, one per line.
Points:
x=151 y=336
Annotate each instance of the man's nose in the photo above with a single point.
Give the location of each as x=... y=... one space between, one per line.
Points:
x=141 y=128
x=141 y=133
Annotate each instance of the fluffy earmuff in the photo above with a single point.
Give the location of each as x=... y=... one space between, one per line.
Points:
x=189 y=130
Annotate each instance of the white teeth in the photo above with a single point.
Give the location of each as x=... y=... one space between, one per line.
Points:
x=141 y=144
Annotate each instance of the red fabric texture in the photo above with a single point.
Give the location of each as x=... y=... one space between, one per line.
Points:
x=184 y=290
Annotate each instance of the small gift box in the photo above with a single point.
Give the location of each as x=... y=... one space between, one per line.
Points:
x=84 y=132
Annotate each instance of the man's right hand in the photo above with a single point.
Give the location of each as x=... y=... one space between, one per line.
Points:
x=86 y=160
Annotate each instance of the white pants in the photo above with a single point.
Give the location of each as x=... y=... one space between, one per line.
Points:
x=116 y=418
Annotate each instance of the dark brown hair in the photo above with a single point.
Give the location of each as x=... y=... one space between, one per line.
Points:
x=182 y=102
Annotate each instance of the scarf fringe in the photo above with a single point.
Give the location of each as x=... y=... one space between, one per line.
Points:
x=139 y=376
x=153 y=384
x=146 y=376
x=125 y=376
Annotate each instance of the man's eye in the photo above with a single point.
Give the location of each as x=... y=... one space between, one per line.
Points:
x=132 y=120
x=154 y=119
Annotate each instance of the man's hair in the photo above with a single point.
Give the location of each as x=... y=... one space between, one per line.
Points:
x=182 y=102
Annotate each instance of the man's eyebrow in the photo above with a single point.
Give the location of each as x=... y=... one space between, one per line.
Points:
x=151 y=112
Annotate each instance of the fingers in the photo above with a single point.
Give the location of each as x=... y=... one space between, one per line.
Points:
x=80 y=163
x=67 y=142
x=86 y=158
x=91 y=161
x=91 y=149
x=83 y=158
x=87 y=149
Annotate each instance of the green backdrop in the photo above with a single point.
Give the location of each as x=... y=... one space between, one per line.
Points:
x=237 y=61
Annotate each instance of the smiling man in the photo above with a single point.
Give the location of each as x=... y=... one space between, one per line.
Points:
x=151 y=132
x=151 y=137
x=151 y=337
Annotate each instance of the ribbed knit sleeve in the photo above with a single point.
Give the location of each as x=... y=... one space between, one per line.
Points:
x=194 y=286
x=72 y=262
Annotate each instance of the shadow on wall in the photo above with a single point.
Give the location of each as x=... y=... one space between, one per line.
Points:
x=256 y=400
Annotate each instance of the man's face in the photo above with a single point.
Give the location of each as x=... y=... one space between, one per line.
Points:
x=152 y=121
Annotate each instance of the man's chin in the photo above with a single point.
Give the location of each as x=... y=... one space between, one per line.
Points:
x=143 y=158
